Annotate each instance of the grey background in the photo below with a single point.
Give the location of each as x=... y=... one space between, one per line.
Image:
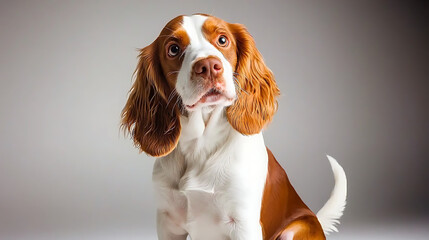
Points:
x=354 y=82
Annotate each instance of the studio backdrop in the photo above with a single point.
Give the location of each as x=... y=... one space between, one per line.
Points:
x=353 y=77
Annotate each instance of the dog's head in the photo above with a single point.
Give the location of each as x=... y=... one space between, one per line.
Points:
x=198 y=61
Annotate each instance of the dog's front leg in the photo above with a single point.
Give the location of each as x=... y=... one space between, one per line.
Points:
x=167 y=228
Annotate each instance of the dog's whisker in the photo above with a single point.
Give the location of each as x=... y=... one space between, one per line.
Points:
x=238 y=85
x=171 y=96
x=172 y=72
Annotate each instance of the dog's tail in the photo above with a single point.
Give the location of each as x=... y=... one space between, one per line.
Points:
x=331 y=212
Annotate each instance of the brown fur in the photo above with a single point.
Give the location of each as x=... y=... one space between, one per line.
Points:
x=151 y=113
x=257 y=102
x=213 y=28
x=282 y=208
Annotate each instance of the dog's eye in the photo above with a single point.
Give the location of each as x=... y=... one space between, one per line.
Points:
x=222 y=41
x=173 y=50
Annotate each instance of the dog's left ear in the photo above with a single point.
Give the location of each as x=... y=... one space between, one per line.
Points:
x=256 y=102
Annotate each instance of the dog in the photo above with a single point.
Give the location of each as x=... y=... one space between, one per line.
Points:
x=201 y=97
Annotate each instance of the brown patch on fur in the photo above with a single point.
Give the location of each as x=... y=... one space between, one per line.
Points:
x=173 y=33
x=212 y=29
x=256 y=103
x=151 y=113
x=282 y=206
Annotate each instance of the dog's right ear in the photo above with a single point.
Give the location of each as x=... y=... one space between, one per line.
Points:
x=150 y=117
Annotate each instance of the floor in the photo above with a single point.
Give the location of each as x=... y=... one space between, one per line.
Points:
x=418 y=231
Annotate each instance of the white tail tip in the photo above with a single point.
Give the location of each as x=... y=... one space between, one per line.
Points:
x=331 y=212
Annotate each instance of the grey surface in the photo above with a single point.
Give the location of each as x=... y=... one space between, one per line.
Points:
x=354 y=82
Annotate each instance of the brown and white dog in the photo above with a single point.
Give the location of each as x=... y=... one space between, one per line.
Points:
x=201 y=98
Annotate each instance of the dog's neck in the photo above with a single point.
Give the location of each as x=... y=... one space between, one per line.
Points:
x=203 y=132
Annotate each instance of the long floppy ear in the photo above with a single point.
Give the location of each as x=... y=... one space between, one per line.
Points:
x=150 y=117
x=256 y=102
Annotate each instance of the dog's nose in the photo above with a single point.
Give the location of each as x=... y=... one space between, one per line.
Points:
x=208 y=67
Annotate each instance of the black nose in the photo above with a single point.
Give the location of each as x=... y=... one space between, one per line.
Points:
x=208 y=67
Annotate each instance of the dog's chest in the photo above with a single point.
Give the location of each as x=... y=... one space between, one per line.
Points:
x=211 y=195
x=213 y=181
x=200 y=200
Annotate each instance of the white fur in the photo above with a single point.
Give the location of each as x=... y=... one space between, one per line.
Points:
x=211 y=185
x=333 y=209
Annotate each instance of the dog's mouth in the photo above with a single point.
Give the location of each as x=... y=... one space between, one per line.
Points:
x=212 y=97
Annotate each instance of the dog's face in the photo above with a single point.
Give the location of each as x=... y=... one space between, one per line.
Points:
x=198 y=62
x=205 y=77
